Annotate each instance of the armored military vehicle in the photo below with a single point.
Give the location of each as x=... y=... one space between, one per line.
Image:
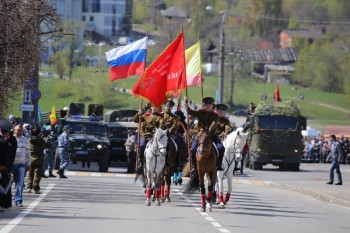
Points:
x=276 y=136
x=89 y=136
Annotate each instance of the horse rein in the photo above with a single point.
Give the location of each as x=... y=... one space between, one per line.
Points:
x=156 y=151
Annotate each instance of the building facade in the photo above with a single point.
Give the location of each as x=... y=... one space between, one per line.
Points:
x=109 y=19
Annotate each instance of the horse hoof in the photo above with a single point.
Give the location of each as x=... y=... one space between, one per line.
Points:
x=175 y=183
x=167 y=199
x=162 y=200
x=180 y=181
x=209 y=207
x=148 y=203
x=222 y=206
x=158 y=203
x=202 y=209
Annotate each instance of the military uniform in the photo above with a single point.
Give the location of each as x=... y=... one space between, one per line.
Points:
x=149 y=122
x=63 y=147
x=37 y=146
x=50 y=154
x=207 y=120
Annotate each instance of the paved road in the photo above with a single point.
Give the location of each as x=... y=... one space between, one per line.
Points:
x=90 y=201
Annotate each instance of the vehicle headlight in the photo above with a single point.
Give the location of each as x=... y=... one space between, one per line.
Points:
x=99 y=146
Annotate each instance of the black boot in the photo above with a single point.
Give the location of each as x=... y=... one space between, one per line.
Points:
x=61 y=174
x=219 y=164
x=51 y=174
x=44 y=176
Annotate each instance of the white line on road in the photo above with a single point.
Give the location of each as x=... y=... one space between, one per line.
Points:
x=14 y=222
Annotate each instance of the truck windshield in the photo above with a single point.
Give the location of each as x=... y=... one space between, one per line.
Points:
x=277 y=122
x=81 y=128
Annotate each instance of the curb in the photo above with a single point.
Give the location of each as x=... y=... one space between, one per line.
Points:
x=314 y=194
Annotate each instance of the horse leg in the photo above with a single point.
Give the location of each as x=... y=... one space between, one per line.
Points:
x=148 y=189
x=157 y=190
x=210 y=196
x=168 y=184
x=175 y=178
x=229 y=187
x=179 y=179
x=221 y=190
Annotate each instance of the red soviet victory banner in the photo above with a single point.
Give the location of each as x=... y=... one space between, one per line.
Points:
x=166 y=76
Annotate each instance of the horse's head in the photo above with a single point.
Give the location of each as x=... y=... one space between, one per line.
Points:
x=161 y=140
x=204 y=140
x=235 y=142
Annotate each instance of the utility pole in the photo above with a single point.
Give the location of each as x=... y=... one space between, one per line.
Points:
x=222 y=60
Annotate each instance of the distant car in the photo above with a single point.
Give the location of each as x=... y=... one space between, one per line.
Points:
x=240 y=112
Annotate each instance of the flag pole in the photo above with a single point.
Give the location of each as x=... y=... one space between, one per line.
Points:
x=200 y=65
x=187 y=118
x=139 y=124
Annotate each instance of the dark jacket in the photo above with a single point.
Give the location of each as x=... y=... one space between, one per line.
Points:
x=37 y=146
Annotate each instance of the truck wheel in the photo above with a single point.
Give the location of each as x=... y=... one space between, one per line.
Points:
x=104 y=161
x=57 y=160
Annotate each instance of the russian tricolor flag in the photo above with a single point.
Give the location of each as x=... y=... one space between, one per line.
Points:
x=127 y=60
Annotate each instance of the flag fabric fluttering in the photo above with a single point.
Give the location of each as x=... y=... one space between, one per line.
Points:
x=53 y=119
x=166 y=76
x=193 y=65
x=40 y=116
x=277 y=94
x=127 y=60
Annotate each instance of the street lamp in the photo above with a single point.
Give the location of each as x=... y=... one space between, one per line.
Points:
x=222 y=54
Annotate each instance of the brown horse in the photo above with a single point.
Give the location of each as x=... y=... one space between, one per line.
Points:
x=206 y=157
x=168 y=171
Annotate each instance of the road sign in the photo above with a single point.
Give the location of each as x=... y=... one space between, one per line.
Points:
x=27 y=107
x=36 y=94
x=27 y=96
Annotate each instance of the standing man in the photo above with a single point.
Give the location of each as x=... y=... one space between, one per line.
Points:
x=130 y=150
x=50 y=154
x=37 y=146
x=63 y=146
x=21 y=163
x=336 y=153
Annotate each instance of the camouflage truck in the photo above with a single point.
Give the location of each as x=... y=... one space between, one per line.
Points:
x=276 y=136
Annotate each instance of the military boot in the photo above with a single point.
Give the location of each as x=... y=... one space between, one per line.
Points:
x=51 y=174
x=62 y=176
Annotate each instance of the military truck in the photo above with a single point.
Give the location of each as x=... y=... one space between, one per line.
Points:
x=276 y=137
x=89 y=136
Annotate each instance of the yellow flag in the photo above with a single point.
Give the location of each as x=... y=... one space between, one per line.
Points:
x=53 y=118
x=193 y=65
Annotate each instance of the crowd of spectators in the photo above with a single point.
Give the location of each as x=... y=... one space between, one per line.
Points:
x=317 y=149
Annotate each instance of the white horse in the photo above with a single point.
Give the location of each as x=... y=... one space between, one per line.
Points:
x=234 y=143
x=155 y=159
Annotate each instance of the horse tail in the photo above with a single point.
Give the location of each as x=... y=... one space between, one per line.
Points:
x=193 y=185
x=186 y=170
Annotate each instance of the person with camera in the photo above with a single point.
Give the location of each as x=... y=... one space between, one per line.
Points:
x=21 y=163
x=37 y=146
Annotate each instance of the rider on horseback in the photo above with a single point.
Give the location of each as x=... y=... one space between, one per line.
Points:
x=223 y=127
x=207 y=120
x=149 y=121
x=168 y=121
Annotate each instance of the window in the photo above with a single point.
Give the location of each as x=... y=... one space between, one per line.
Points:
x=84 y=18
x=91 y=18
x=277 y=122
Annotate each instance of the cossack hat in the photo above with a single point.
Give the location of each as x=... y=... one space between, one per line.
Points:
x=169 y=103
x=208 y=100
x=222 y=107
x=147 y=106
x=180 y=114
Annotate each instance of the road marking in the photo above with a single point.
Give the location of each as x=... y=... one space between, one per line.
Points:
x=211 y=220
x=14 y=222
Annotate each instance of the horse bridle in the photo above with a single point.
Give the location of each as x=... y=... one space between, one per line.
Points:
x=156 y=151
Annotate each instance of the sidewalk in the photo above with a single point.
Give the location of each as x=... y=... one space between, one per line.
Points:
x=317 y=188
